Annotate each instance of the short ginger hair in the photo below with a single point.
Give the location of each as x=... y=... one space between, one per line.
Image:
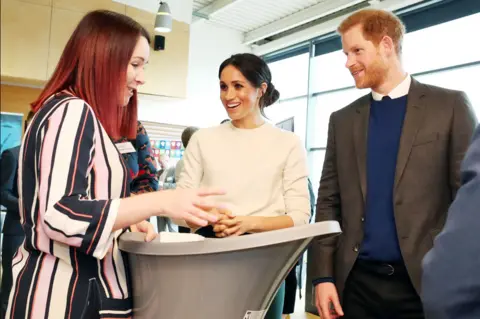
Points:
x=375 y=25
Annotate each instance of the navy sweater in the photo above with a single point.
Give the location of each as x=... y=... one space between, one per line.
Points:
x=380 y=242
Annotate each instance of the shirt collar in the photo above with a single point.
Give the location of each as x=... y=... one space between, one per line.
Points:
x=399 y=91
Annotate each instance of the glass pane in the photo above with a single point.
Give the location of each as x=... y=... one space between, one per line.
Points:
x=431 y=48
x=329 y=72
x=315 y=166
x=292 y=108
x=464 y=79
x=290 y=76
x=323 y=105
x=442 y=45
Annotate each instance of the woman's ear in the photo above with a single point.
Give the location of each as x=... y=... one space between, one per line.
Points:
x=263 y=88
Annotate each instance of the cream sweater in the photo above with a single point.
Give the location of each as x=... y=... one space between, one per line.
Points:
x=263 y=170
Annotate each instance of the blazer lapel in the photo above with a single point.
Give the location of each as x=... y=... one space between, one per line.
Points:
x=360 y=132
x=413 y=120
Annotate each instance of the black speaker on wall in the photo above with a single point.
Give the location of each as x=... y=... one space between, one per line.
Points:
x=159 y=43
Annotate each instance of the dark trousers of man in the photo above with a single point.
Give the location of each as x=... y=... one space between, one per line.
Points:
x=9 y=248
x=376 y=290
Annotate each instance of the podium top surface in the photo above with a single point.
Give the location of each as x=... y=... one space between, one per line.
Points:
x=134 y=242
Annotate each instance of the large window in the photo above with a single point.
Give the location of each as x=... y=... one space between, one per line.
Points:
x=290 y=77
x=323 y=105
x=329 y=72
x=463 y=78
x=443 y=45
x=442 y=55
x=296 y=108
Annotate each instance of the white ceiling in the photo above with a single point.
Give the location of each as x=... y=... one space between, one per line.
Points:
x=181 y=9
x=199 y=4
x=265 y=22
x=248 y=15
x=260 y=19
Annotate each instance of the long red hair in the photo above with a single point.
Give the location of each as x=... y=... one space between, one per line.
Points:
x=94 y=66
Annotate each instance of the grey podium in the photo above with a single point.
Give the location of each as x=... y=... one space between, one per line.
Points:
x=228 y=278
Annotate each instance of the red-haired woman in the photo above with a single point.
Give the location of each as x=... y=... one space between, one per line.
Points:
x=73 y=181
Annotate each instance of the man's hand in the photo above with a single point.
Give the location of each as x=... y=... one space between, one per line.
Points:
x=325 y=295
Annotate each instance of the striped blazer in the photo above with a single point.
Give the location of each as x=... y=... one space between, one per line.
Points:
x=71 y=178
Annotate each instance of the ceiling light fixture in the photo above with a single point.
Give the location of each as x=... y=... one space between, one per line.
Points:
x=163 y=20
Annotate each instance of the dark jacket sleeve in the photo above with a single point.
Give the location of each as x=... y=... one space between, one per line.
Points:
x=328 y=208
x=451 y=270
x=146 y=180
x=463 y=127
x=8 y=165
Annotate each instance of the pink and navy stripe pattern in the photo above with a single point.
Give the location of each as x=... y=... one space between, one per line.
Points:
x=71 y=178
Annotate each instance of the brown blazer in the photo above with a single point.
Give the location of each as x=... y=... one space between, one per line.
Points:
x=437 y=129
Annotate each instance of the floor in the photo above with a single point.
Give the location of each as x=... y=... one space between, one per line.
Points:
x=302 y=316
x=300 y=307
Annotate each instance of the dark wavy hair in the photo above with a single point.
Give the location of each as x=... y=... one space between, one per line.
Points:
x=257 y=72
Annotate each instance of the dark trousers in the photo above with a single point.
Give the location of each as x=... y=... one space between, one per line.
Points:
x=290 y=291
x=377 y=290
x=182 y=229
x=9 y=248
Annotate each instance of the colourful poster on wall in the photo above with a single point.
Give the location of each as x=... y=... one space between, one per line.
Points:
x=168 y=150
x=11 y=130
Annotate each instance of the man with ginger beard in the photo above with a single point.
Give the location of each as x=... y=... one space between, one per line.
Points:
x=391 y=171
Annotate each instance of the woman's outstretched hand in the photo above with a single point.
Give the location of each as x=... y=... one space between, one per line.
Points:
x=192 y=205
